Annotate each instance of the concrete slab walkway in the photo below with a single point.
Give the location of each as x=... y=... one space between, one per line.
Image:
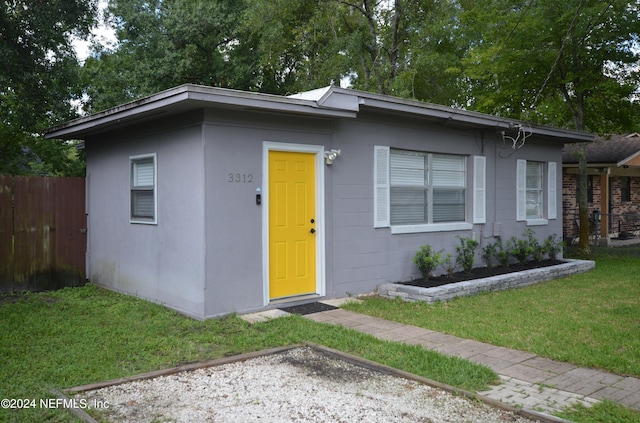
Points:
x=527 y=380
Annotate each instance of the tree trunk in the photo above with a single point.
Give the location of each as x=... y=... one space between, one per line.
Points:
x=583 y=207
x=576 y=106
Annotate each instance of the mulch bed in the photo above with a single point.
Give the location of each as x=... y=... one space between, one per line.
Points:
x=479 y=273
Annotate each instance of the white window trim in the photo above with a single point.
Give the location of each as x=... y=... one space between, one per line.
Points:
x=432 y=227
x=145 y=221
x=550 y=178
x=537 y=222
x=382 y=203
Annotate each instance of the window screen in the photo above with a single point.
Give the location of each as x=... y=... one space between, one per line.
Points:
x=143 y=201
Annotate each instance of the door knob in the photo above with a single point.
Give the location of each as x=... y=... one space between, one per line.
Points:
x=313 y=231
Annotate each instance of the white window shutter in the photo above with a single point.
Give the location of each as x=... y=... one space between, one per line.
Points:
x=552 y=212
x=479 y=189
x=521 y=189
x=381 y=211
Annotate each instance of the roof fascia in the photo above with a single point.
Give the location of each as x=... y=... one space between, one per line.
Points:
x=146 y=105
x=466 y=117
x=325 y=102
x=629 y=160
x=195 y=96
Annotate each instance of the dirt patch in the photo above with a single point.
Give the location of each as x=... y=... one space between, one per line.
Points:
x=479 y=273
x=319 y=366
x=24 y=296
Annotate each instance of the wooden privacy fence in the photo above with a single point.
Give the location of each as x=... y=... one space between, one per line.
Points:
x=43 y=234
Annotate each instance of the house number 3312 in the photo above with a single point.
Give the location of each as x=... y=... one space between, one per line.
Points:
x=240 y=177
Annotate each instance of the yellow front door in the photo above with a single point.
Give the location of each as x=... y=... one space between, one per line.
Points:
x=292 y=239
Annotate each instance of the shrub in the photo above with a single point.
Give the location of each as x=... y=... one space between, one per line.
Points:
x=427 y=260
x=537 y=250
x=466 y=253
x=449 y=264
x=520 y=249
x=525 y=247
x=552 y=246
x=502 y=253
x=490 y=255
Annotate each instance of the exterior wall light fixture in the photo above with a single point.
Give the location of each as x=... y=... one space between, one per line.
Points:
x=331 y=155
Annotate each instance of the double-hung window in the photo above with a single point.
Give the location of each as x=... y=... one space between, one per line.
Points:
x=534 y=190
x=421 y=192
x=143 y=188
x=535 y=204
x=426 y=188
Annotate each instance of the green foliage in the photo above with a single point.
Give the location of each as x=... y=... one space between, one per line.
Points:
x=519 y=248
x=537 y=250
x=162 y=44
x=466 y=253
x=39 y=80
x=502 y=253
x=38 y=68
x=277 y=47
x=557 y=76
x=552 y=246
x=449 y=264
x=602 y=412
x=490 y=254
x=527 y=247
x=33 y=155
x=427 y=260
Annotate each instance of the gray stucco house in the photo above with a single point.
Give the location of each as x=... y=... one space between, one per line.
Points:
x=213 y=201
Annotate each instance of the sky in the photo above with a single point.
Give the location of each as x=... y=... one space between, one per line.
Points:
x=103 y=34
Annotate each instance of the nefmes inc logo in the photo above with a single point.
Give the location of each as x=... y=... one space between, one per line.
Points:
x=52 y=403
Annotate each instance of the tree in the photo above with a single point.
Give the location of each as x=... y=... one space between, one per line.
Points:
x=563 y=63
x=38 y=80
x=164 y=43
x=275 y=47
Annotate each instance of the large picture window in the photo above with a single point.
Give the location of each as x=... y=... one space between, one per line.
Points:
x=417 y=191
x=426 y=188
x=143 y=189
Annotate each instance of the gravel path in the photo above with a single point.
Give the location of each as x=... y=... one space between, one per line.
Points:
x=298 y=385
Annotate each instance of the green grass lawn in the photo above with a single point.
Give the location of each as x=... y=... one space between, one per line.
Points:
x=76 y=336
x=590 y=319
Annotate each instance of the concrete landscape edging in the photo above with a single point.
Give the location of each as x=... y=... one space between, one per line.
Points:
x=494 y=283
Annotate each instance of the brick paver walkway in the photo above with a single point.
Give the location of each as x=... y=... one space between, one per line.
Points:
x=527 y=380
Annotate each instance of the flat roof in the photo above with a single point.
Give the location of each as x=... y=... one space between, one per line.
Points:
x=328 y=102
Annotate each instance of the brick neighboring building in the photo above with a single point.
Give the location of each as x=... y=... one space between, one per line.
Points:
x=613 y=169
